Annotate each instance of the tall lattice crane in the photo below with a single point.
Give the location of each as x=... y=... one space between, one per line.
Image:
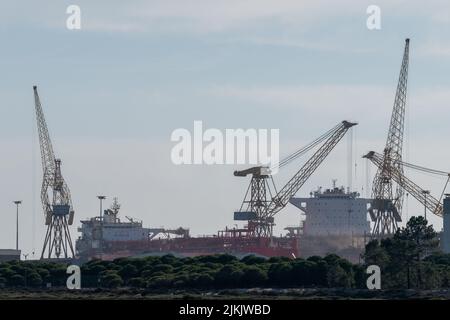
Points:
x=387 y=195
x=55 y=195
x=261 y=204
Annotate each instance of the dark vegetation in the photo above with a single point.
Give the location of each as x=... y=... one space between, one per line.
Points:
x=408 y=260
x=411 y=258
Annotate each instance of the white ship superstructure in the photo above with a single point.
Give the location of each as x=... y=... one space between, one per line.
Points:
x=334 y=212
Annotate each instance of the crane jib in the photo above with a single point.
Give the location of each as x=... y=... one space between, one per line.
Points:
x=297 y=181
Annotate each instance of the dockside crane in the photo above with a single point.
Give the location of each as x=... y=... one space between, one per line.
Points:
x=261 y=202
x=424 y=197
x=387 y=195
x=55 y=195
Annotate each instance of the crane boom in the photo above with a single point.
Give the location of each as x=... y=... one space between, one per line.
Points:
x=388 y=197
x=47 y=154
x=296 y=182
x=394 y=141
x=421 y=195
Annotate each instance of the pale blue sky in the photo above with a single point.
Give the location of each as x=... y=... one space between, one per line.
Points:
x=115 y=90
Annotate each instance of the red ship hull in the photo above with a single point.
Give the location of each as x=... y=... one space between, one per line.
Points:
x=188 y=247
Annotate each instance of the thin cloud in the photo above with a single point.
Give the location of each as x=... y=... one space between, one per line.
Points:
x=435 y=49
x=340 y=98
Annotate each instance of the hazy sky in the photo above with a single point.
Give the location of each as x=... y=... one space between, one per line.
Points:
x=114 y=91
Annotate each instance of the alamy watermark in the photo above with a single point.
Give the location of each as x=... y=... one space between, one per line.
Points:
x=373 y=21
x=374 y=280
x=234 y=146
x=73 y=22
x=74 y=280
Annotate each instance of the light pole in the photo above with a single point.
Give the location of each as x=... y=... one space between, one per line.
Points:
x=101 y=198
x=425 y=192
x=17 y=203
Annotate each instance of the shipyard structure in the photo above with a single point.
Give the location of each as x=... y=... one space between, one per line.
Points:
x=334 y=220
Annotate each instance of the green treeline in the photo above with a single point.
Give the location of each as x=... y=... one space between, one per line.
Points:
x=408 y=260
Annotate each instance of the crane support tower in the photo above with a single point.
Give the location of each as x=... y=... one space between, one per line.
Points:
x=387 y=194
x=55 y=195
x=261 y=203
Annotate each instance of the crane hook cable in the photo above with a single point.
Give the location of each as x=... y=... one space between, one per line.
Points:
x=423 y=169
x=288 y=159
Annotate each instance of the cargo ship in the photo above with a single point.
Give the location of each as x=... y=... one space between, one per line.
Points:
x=332 y=221
x=106 y=237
